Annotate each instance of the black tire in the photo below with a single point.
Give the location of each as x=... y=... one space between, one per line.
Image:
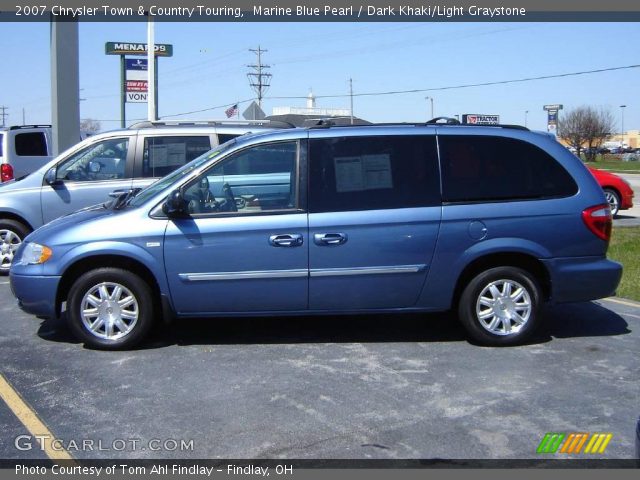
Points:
x=10 y=230
x=613 y=199
x=503 y=322
x=112 y=315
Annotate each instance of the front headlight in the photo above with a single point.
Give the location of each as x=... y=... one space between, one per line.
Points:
x=34 y=254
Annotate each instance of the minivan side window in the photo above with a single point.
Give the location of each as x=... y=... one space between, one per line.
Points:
x=162 y=155
x=371 y=173
x=486 y=168
x=32 y=144
x=254 y=180
x=103 y=160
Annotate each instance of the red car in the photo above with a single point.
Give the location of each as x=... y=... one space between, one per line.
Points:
x=617 y=190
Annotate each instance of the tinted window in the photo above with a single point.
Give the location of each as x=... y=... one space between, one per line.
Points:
x=257 y=179
x=162 y=155
x=104 y=160
x=225 y=137
x=483 y=168
x=31 y=144
x=369 y=173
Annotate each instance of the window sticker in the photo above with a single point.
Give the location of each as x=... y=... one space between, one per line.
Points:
x=171 y=154
x=367 y=172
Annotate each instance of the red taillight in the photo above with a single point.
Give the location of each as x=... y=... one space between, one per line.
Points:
x=6 y=172
x=598 y=219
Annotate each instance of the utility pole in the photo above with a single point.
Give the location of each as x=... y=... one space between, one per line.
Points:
x=351 y=96
x=4 y=114
x=259 y=80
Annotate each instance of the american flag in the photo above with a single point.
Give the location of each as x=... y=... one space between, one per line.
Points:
x=231 y=111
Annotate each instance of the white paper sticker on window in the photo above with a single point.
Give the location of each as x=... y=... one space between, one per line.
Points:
x=172 y=154
x=367 y=172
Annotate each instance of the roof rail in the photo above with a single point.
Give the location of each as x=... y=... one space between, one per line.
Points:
x=443 y=121
x=438 y=121
x=18 y=127
x=209 y=123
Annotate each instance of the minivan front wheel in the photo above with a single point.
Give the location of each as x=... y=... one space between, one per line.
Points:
x=12 y=234
x=110 y=308
x=500 y=306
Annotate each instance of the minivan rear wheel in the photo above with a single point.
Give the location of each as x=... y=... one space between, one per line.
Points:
x=12 y=234
x=500 y=306
x=110 y=308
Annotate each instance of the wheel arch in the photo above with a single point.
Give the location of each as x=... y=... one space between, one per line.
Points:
x=89 y=263
x=7 y=215
x=520 y=260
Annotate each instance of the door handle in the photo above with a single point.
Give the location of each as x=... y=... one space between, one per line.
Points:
x=286 y=240
x=329 y=238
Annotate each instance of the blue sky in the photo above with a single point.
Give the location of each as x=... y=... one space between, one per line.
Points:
x=209 y=68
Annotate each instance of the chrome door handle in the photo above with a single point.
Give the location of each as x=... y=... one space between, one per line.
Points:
x=286 y=240
x=330 y=238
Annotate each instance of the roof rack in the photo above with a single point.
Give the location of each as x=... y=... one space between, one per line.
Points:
x=209 y=123
x=18 y=127
x=438 y=121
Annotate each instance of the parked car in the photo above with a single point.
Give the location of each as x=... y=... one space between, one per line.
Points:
x=23 y=149
x=617 y=190
x=334 y=220
x=88 y=172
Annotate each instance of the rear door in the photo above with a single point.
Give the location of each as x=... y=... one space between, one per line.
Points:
x=30 y=151
x=374 y=216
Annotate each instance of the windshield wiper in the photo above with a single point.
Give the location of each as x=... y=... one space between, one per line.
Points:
x=121 y=198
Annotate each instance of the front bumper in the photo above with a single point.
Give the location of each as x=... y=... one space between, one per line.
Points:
x=36 y=294
x=626 y=201
x=580 y=279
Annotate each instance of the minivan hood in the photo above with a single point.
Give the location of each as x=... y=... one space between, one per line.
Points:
x=72 y=222
x=33 y=180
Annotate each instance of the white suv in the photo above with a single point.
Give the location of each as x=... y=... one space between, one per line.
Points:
x=23 y=149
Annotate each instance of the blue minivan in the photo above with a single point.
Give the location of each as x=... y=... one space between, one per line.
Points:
x=489 y=221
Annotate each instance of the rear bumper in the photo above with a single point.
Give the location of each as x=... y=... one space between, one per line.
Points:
x=35 y=294
x=626 y=201
x=583 y=278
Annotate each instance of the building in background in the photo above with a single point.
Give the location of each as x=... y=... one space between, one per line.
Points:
x=304 y=116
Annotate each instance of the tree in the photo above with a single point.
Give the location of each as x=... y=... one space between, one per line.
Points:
x=90 y=126
x=586 y=126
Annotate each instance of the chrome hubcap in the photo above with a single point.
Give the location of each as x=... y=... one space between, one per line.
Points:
x=109 y=311
x=503 y=307
x=9 y=243
x=613 y=202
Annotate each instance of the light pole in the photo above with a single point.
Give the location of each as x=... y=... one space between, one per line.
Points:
x=622 y=107
x=430 y=98
x=526 y=112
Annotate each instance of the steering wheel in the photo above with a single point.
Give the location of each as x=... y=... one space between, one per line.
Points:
x=229 y=200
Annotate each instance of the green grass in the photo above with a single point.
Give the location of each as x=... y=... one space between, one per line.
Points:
x=625 y=248
x=614 y=164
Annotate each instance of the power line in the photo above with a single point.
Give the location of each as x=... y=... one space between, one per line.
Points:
x=432 y=89
x=468 y=85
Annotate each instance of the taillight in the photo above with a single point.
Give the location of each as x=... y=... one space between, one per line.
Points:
x=6 y=172
x=598 y=219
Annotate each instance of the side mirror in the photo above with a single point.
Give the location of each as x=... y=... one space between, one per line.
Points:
x=174 y=205
x=50 y=176
x=94 y=167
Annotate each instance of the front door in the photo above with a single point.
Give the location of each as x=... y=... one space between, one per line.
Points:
x=88 y=176
x=244 y=245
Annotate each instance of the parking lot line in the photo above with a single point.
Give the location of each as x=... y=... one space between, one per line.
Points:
x=4 y=283
x=29 y=418
x=622 y=302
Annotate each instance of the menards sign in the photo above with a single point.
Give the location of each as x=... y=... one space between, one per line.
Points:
x=121 y=48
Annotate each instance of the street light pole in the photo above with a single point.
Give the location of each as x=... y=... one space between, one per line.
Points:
x=526 y=112
x=622 y=107
x=430 y=98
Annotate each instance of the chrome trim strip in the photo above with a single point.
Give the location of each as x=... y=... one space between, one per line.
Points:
x=204 y=277
x=331 y=272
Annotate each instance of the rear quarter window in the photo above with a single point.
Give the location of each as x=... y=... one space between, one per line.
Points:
x=33 y=144
x=486 y=168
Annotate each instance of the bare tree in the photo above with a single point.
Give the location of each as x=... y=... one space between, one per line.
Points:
x=90 y=126
x=586 y=126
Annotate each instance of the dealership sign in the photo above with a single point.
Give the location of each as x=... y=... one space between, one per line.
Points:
x=479 y=119
x=552 y=116
x=136 y=80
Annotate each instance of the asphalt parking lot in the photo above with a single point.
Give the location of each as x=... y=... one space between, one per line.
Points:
x=349 y=387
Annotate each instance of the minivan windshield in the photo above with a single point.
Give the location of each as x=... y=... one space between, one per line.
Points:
x=157 y=187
